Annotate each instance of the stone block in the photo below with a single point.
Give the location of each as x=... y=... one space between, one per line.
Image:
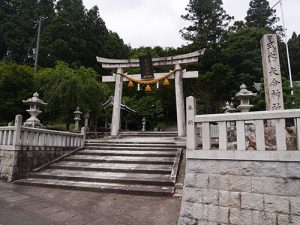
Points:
x=240 y=217
x=184 y=221
x=228 y=168
x=264 y=218
x=229 y=199
x=187 y=209
x=218 y=214
x=270 y=185
x=296 y=220
x=239 y=183
x=190 y=180
x=284 y=219
x=202 y=166
x=294 y=187
x=276 y=204
x=270 y=169
x=192 y=194
x=200 y=211
x=295 y=205
x=218 y=182
x=248 y=168
x=288 y=219
x=210 y=196
x=201 y=180
x=252 y=201
x=293 y=170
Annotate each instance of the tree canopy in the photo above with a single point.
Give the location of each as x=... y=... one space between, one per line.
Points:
x=65 y=88
x=261 y=15
x=72 y=36
x=209 y=22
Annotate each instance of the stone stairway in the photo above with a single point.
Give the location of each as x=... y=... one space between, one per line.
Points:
x=112 y=166
x=149 y=134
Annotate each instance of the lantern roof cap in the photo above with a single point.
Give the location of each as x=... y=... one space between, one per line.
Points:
x=34 y=100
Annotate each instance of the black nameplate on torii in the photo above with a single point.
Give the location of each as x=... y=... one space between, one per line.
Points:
x=146 y=67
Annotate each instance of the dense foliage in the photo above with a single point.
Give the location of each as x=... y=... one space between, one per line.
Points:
x=70 y=33
x=72 y=36
x=261 y=15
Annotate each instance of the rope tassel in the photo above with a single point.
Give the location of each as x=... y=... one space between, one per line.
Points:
x=166 y=82
x=130 y=84
x=148 y=88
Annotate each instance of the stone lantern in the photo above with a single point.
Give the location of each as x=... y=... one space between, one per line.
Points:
x=34 y=110
x=144 y=124
x=77 y=118
x=244 y=96
x=229 y=108
x=86 y=120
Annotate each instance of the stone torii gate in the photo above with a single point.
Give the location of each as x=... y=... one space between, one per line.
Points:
x=178 y=75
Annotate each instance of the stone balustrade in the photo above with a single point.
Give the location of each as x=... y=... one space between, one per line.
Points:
x=241 y=186
x=50 y=138
x=18 y=135
x=6 y=136
x=239 y=122
x=24 y=148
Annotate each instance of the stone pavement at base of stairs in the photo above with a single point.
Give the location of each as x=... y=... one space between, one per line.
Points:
x=28 y=205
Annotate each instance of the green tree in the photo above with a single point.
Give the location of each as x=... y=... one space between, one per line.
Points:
x=64 y=89
x=261 y=15
x=16 y=84
x=290 y=101
x=242 y=52
x=210 y=23
x=17 y=26
x=294 y=47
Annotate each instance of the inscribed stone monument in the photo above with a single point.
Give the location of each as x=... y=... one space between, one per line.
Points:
x=272 y=74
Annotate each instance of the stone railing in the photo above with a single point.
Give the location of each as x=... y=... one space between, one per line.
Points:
x=7 y=136
x=50 y=138
x=241 y=185
x=23 y=149
x=213 y=130
x=18 y=135
x=239 y=120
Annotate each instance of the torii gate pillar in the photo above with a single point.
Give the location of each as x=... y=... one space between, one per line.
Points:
x=116 y=116
x=179 y=101
x=176 y=61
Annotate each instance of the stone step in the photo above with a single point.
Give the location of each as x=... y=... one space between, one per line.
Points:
x=109 y=177
x=130 y=148
x=127 y=153
x=127 y=168
x=122 y=159
x=129 y=143
x=134 y=167
x=148 y=134
x=100 y=187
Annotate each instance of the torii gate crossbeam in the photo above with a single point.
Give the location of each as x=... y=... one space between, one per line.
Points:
x=175 y=61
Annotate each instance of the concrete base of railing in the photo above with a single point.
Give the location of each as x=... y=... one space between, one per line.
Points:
x=23 y=149
x=15 y=164
x=235 y=187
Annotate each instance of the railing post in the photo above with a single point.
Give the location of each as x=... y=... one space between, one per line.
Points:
x=191 y=141
x=83 y=139
x=17 y=133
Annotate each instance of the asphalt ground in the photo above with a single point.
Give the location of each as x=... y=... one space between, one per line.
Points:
x=28 y=205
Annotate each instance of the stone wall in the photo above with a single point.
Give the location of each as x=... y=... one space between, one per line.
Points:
x=1 y=152
x=241 y=190
x=15 y=164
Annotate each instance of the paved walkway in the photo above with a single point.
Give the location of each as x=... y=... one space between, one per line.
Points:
x=24 y=205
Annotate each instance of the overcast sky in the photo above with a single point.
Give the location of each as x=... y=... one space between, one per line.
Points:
x=157 y=22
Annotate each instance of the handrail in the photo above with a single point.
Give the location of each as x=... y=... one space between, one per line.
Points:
x=263 y=115
x=50 y=131
x=17 y=136
x=261 y=136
